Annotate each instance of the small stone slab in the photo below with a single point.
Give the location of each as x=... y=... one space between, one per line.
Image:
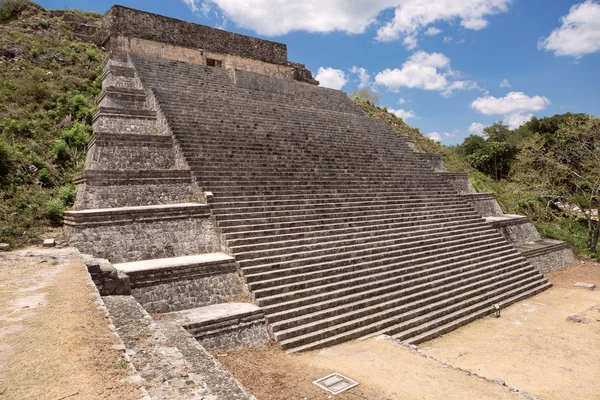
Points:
x=4 y=247
x=590 y=286
x=49 y=243
x=335 y=383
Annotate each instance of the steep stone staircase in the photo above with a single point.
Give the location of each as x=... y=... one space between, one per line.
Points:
x=340 y=229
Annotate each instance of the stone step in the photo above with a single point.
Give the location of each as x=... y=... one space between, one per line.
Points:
x=240 y=246
x=479 y=312
x=449 y=253
x=359 y=198
x=371 y=324
x=340 y=204
x=320 y=246
x=299 y=281
x=202 y=319
x=351 y=284
x=164 y=270
x=288 y=318
x=318 y=285
x=243 y=238
x=339 y=216
x=324 y=196
x=324 y=212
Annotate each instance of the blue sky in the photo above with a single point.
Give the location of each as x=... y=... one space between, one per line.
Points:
x=449 y=67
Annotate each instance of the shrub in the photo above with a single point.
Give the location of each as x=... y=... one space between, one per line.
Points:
x=34 y=52
x=43 y=24
x=44 y=177
x=92 y=55
x=16 y=126
x=67 y=195
x=77 y=136
x=80 y=108
x=54 y=211
x=60 y=150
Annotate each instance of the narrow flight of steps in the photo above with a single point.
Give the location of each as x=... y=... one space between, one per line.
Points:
x=139 y=206
x=340 y=230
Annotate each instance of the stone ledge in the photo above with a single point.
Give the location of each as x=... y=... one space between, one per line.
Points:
x=108 y=112
x=122 y=93
x=541 y=247
x=477 y=196
x=507 y=220
x=114 y=55
x=152 y=177
x=116 y=70
x=166 y=270
x=173 y=263
x=130 y=140
x=128 y=215
x=227 y=325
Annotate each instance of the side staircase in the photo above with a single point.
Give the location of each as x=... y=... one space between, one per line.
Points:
x=139 y=207
x=339 y=228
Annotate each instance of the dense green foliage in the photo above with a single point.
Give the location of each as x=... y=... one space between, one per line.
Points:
x=549 y=169
x=48 y=82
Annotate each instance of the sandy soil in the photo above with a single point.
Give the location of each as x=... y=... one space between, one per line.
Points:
x=531 y=347
x=54 y=341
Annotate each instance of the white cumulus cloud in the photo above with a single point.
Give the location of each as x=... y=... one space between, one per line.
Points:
x=436 y=137
x=363 y=76
x=402 y=113
x=476 y=128
x=505 y=84
x=516 y=120
x=427 y=71
x=432 y=31
x=331 y=78
x=401 y=100
x=579 y=33
x=411 y=17
x=516 y=107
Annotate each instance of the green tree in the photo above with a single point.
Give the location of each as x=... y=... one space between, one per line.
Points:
x=366 y=94
x=565 y=169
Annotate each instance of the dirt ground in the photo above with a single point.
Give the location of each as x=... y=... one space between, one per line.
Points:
x=54 y=341
x=531 y=347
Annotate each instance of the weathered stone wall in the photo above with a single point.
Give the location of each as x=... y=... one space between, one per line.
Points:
x=459 y=181
x=130 y=152
x=138 y=24
x=433 y=160
x=134 y=239
x=125 y=124
x=519 y=233
x=550 y=262
x=198 y=57
x=134 y=194
x=218 y=287
x=484 y=203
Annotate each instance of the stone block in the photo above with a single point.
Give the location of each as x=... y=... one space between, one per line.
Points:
x=589 y=286
x=4 y=247
x=49 y=243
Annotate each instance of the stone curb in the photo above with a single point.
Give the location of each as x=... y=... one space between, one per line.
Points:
x=133 y=378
